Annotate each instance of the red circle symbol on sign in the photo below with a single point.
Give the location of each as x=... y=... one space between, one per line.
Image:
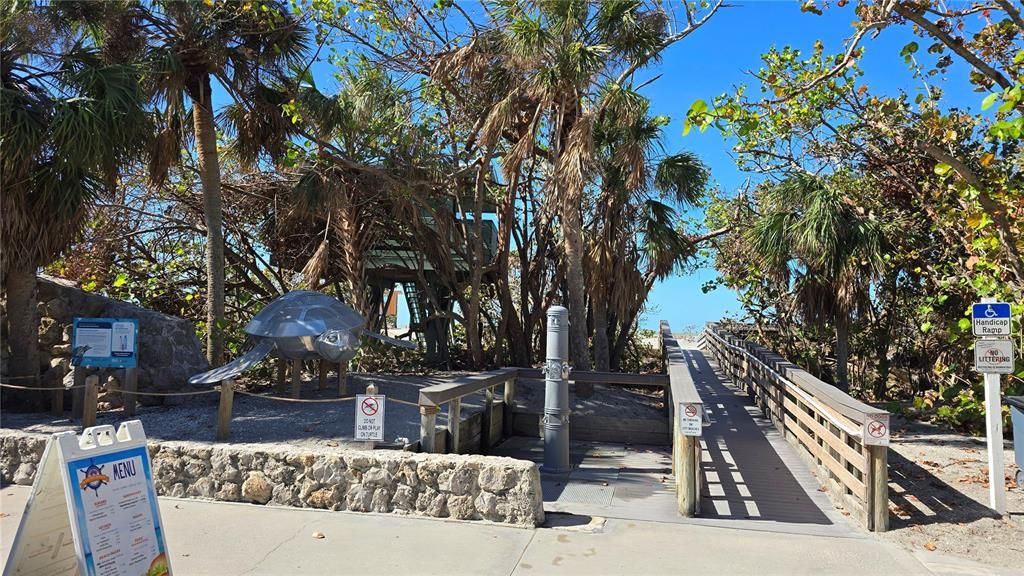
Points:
x=369 y=406
x=691 y=410
x=876 y=429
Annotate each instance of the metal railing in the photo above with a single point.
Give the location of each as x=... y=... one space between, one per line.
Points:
x=827 y=424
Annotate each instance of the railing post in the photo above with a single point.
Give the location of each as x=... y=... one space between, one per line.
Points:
x=878 y=487
x=687 y=474
x=454 y=423
x=131 y=386
x=89 y=405
x=428 y=425
x=77 y=394
x=509 y=401
x=227 y=395
x=485 y=420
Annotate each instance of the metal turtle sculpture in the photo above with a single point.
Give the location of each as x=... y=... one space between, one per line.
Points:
x=301 y=325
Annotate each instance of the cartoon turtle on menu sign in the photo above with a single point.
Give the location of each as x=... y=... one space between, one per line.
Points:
x=301 y=325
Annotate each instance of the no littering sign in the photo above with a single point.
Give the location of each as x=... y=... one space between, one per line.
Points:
x=370 y=417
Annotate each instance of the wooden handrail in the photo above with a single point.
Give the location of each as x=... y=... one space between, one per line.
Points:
x=441 y=394
x=686 y=450
x=606 y=378
x=432 y=398
x=825 y=422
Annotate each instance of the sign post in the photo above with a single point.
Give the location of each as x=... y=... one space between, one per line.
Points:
x=370 y=416
x=93 y=509
x=993 y=355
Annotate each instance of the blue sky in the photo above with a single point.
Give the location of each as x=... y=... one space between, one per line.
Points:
x=718 y=57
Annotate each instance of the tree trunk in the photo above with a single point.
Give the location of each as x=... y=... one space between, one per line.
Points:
x=23 y=332
x=602 y=355
x=572 y=244
x=209 y=175
x=842 y=352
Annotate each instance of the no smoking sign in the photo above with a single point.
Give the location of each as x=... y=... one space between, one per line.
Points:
x=876 y=430
x=370 y=417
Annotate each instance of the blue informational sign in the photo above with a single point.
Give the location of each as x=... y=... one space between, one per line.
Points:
x=991 y=319
x=105 y=342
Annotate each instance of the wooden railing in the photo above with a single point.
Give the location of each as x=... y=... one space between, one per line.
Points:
x=827 y=424
x=686 y=450
x=433 y=398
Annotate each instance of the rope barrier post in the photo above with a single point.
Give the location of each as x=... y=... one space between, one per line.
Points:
x=454 y=423
x=296 y=379
x=342 y=380
x=280 y=374
x=322 y=376
x=227 y=395
x=57 y=399
x=77 y=393
x=131 y=386
x=89 y=405
x=428 y=425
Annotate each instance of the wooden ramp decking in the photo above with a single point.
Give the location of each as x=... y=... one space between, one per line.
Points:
x=753 y=478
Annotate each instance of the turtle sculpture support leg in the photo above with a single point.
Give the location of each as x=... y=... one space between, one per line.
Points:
x=322 y=376
x=296 y=378
x=342 y=380
x=280 y=373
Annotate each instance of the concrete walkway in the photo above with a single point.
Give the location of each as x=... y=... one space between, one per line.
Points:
x=235 y=539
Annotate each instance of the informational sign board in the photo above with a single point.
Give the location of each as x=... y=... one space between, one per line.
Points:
x=876 y=430
x=93 y=509
x=991 y=319
x=993 y=356
x=370 y=417
x=105 y=342
x=691 y=418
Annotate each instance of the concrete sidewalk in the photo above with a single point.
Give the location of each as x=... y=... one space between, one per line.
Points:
x=227 y=539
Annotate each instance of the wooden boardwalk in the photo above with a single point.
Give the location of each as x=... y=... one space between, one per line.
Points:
x=753 y=478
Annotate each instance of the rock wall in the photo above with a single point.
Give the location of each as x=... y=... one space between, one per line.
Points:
x=169 y=351
x=465 y=487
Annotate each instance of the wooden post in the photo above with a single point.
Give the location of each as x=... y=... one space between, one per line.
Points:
x=57 y=399
x=878 y=487
x=485 y=421
x=131 y=385
x=454 y=423
x=428 y=425
x=227 y=396
x=77 y=394
x=89 y=404
x=687 y=477
x=281 y=369
x=509 y=401
x=342 y=380
x=296 y=378
x=371 y=390
x=322 y=375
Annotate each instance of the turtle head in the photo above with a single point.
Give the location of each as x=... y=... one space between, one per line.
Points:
x=337 y=345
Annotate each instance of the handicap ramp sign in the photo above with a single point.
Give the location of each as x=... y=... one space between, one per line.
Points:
x=991 y=319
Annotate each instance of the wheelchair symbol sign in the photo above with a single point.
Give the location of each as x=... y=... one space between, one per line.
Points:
x=991 y=319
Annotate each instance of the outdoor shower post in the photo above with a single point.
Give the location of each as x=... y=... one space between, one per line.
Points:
x=556 y=392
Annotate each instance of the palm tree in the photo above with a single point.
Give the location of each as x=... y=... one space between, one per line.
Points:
x=72 y=117
x=244 y=47
x=825 y=249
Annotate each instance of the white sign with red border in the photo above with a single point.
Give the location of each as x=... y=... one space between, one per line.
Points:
x=370 y=417
x=691 y=418
x=876 y=430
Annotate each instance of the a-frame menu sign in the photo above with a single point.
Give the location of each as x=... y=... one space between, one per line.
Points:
x=93 y=509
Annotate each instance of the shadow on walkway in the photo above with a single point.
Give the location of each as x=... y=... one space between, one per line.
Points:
x=746 y=475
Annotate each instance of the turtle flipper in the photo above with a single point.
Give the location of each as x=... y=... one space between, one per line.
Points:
x=244 y=362
x=393 y=341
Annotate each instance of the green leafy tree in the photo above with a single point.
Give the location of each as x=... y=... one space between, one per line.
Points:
x=73 y=114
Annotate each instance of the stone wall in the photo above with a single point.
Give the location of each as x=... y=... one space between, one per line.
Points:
x=169 y=351
x=465 y=487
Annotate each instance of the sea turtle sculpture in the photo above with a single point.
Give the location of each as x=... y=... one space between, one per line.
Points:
x=301 y=325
